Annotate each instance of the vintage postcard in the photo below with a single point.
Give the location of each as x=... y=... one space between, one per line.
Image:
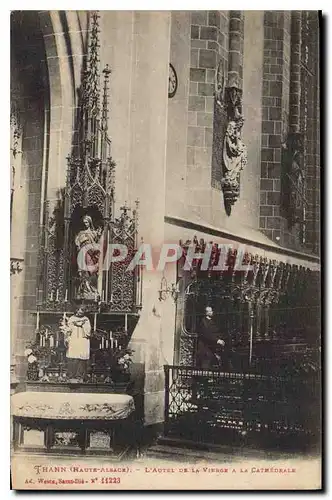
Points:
x=165 y=250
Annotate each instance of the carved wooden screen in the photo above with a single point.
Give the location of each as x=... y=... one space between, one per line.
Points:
x=261 y=311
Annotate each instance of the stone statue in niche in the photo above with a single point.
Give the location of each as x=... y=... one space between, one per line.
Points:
x=234 y=160
x=234 y=153
x=87 y=242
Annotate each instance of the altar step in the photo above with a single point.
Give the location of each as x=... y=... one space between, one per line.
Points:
x=165 y=452
x=186 y=450
x=189 y=451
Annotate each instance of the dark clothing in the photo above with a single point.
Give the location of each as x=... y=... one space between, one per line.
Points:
x=207 y=346
x=76 y=369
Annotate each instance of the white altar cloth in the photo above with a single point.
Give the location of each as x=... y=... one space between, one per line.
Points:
x=69 y=406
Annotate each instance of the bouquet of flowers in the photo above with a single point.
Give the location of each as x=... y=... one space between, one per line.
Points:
x=120 y=363
x=125 y=360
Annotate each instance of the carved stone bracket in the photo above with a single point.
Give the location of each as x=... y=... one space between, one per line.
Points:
x=234 y=150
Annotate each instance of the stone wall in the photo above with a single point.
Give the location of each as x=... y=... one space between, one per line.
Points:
x=29 y=80
x=208 y=46
x=284 y=88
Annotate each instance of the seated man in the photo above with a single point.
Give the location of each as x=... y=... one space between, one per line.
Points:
x=211 y=348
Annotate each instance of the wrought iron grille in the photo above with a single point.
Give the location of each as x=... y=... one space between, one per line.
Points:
x=204 y=405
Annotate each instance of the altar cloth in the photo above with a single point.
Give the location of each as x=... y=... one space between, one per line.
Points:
x=69 y=406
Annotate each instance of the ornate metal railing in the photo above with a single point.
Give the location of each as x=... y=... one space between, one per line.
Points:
x=206 y=405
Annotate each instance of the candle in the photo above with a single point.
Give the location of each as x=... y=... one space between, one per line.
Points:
x=106 y=343
x=111 y=334
x=102 y=343
x=126 y=322
x=66 y=296
x=95 y=323
x=103 y=296
x=51 y=341
x=57 y=295
x=115 y=343
x=41 y=340
x=111 y=343
x=37 y=325
x=51 y=297
x=119 y=348
x=111 y=298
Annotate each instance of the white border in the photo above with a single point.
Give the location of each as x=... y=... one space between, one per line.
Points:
x=5 y=180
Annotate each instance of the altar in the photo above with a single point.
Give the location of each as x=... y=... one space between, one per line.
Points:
x=78 y=382
x=81 y=422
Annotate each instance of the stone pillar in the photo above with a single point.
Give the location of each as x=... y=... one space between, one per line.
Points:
x=247 y=208
x=149 y=101
x=16 y=233
x=235 y=58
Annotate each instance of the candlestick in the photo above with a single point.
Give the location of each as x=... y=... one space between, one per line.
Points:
x=37 y=325
x=66 y=296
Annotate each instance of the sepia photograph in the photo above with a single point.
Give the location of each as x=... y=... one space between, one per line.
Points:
x=165 y=271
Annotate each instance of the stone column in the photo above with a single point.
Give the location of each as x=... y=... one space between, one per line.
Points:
x=149 y=102
x=235 y=58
